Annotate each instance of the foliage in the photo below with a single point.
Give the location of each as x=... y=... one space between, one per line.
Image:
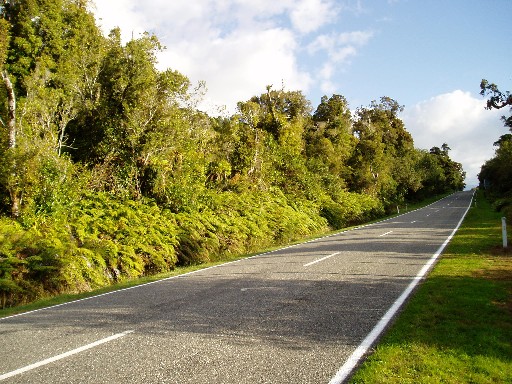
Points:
x=233 y=224
x=350 y=208
x=97 y=241
x=496 y=173
x=110 y=171
x=497 y=99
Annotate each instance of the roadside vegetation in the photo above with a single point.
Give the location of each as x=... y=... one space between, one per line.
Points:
x=457 y=328
x=110 y=172
x=496 y=173
x=50 y=300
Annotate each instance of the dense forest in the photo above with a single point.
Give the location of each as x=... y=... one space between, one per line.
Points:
x=109 y=171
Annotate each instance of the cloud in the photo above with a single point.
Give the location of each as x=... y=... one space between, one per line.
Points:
x=460 y=120
x=309 y=15
x=337 y=49
x=119 y=13
x=241 y=65
x=333 y=43
x=236 y=46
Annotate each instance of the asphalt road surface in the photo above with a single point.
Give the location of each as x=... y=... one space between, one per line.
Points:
x=295 y=315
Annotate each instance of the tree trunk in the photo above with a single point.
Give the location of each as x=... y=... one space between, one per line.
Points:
x=11 y=126
x=11 y=112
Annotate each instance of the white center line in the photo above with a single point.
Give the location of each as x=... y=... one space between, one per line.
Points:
x=256 y=288
x=62 y=356
x=387 y=233
x=319 y=260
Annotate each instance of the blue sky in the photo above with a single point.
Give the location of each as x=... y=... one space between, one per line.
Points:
x=429 y=55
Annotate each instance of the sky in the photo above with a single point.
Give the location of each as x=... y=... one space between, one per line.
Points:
x=429 y=55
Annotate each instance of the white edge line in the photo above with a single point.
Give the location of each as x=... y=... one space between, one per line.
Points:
x=127 y=289
x=62 y=355
x=347 y=368
x=322 y=259
x=214 y=266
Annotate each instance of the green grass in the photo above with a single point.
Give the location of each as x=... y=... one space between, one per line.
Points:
x=458 y=326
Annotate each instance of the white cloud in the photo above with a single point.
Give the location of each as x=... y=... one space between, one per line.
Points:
x=357 y=38
x=236 y=46
x=122 y=14
x=338 y=49
x=309 y=15
x=460 y=120
x=333 y=43
x=241 y=65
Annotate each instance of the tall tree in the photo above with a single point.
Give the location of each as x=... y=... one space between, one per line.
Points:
x=453 y=174
x=496 y=173
x=329 y=141
x=382 y=141
x=40 y=64
x=10 y=117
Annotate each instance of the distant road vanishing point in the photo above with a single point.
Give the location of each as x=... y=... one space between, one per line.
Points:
x=302 y=314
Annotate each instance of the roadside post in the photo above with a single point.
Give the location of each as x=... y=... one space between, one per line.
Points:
x=504 y=231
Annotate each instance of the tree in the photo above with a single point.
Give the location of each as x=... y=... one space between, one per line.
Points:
x=497 y=99
x=330 y=143
x=11 y=173
x=382 y=143
x=496 y=173
x=270 y=145
x=40 y=65
x=452 y=173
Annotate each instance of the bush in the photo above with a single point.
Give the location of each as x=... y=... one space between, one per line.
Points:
x=348 y=208
x=232 y=224
x=99 y=241
x=102 y=239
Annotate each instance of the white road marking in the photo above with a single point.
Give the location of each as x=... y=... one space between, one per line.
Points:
x=62 y=356
x=412 y=222
x=256 y=288
x=387 y=233
x=322 y=259
x=369 y=340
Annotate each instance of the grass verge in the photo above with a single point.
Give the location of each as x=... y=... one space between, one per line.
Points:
x=458 y=326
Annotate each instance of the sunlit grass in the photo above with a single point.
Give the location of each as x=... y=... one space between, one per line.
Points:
x=458 y=326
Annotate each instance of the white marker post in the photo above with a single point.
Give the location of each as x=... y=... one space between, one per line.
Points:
x=504 y=231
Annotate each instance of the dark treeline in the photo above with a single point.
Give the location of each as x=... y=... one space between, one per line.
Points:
x=109 y=171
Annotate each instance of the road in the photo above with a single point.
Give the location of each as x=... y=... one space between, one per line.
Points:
x=295 y=315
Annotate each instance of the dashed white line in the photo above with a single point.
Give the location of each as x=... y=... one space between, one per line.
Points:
x=322 y=259
x=62 y=355
x=256 y=288
x=385 y=234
